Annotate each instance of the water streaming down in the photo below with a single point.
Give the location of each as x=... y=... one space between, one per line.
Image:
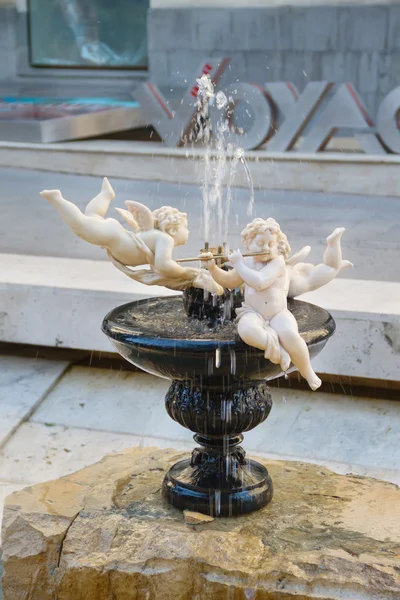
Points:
x=203 y=134
x=241 y=155
x=214 y=167
x=218 y=357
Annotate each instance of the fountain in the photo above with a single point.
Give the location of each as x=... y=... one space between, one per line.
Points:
x=236 y=326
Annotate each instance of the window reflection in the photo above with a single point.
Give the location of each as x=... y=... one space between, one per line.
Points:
x=88 y=33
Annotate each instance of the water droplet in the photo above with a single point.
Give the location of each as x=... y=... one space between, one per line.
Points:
x=217 y=500
x=218 y=357
x=233 y=361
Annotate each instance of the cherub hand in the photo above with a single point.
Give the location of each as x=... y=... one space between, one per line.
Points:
x=209 y=264
x=236 y=257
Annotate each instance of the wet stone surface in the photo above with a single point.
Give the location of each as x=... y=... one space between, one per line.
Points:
x=106 y=533
x=165 y=318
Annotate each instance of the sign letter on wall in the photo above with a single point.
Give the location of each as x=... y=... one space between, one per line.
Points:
x=259 y=108
x=174 y=126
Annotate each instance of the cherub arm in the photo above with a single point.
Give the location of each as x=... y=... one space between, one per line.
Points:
x=258 y=280
x=228 y=279
x=163 y=261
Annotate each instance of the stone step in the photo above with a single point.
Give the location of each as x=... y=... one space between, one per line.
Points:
x=328 y=171
x=62 y=302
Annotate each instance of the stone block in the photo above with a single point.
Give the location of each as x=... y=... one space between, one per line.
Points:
x=255 y=28
x=105 y=532
x=169 y=29
x=211 y=29
x=257 y=67
x=389 y=73
x=159 y=67
x=7 y=65
x=368 y=72
x=351 y=66
x=284 y=29
x=363 y=28
x=183 y=66
x=394 y=28
x=301 y=67
x=385 y=82
x=7 y=28
x=315 y=28
x=332 y=66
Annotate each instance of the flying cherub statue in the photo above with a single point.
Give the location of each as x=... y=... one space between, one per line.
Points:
x=269 y=278
x=154 y=236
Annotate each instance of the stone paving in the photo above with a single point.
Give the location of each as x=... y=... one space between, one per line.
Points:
x=57 y=417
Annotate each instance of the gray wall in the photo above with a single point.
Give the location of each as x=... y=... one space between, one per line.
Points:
x=360 y=44
x=18 y=78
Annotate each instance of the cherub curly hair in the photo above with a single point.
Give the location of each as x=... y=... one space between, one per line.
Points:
x=168 y=219
x=260 y=226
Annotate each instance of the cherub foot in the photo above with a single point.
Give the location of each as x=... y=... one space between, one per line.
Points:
x=335 y=235
x=314 y=381
x=285 y=359
x=53 y=196
x=106 y=187
x=346 y=264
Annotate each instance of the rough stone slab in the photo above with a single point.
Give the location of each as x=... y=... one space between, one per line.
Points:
x=105 y=533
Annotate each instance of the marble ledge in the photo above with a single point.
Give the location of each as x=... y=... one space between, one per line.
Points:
x=366 y=344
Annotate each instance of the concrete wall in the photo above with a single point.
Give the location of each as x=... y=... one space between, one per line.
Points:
x=360 y=44
x=7 y=42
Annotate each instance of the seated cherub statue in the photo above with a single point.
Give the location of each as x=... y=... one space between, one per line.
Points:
x=154 y=236
x=264 y=320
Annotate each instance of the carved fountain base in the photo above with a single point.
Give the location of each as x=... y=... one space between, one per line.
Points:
x=218 y=391
x=218 y=479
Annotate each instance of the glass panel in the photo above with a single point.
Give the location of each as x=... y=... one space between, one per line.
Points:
x=88 y=33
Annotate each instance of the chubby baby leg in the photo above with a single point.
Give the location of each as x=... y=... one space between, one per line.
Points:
x=333 y=252
x=252 y=331
x=286 y=327
x=90 y=226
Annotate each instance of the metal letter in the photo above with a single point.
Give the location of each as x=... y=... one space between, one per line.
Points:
x=302 y=112
x=284 y=95
x=344 y=110
x=174 y=126
x=260 y=110
x=388 y=121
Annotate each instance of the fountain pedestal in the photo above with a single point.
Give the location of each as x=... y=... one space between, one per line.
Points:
x=219 y=391
x=218 y=479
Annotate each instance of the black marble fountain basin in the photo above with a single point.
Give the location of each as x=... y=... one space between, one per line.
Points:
x=218 y=391
x=156 y=335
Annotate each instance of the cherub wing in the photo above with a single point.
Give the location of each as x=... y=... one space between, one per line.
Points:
x=129 y=218
x=138 y=216
x=299 y=256
x=141 y=214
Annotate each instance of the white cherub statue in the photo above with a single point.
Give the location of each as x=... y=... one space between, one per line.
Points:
x=154 y=236
x=264 y=320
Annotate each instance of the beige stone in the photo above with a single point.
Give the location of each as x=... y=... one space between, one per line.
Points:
x=195 y=518
x=105 y=533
